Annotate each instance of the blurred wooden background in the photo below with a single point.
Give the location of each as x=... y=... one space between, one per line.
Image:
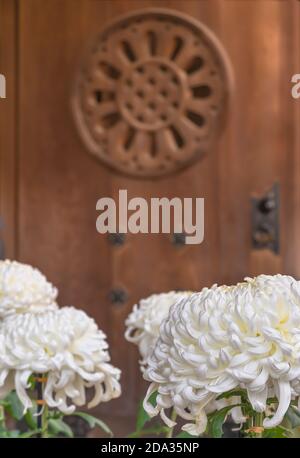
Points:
x=49 y=185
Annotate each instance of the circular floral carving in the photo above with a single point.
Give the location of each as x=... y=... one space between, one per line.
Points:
x=152 y=94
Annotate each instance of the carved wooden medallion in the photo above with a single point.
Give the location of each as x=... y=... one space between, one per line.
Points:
x=152 y=94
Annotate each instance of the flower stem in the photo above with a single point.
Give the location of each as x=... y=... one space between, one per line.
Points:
x=42 y=408
x=2 y=418
x=45 y=422
x=258 y=422
x=254 y=426
x=173 y=418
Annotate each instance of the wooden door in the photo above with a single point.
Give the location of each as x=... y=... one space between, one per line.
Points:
x=50 y=183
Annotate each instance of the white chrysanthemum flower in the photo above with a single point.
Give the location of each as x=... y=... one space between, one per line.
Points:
x=245 y=336
x=23 y=289
x=68 y=347
x=144 y=321
x=143 y=326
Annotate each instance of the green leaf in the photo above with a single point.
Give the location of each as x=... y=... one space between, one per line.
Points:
x=14 y=406
x=216 y=420
x=2 y=417
x=55 y=414
x=59 y=427
x=158 y=429
x=275 y=433
x=293 y=416
x=184 y=435
x=10 y=434
x=231 y=393
x=28 y=434
x=93 y=422
x=30 y=419
x=272 y=401
x=32 y=381
x=142 y=416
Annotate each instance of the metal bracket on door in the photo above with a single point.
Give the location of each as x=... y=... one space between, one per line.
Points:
x=265 y=220
x=178 y=239
x=118 y=296
x=116 y=239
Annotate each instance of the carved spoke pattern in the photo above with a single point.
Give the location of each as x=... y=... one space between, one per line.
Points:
x=152 y=94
